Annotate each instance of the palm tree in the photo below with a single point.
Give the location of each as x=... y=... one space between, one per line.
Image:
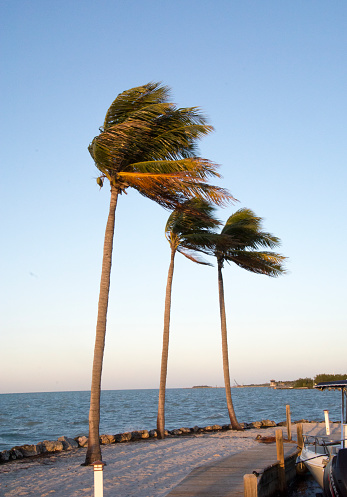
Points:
x=149 y=144
x=186 y=231
x=240 y=242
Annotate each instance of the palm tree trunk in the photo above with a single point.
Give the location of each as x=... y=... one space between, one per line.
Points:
x=165 y=351
x=233 y=421
x=94 y=450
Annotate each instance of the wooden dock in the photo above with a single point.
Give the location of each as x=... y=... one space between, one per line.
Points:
x=224 y=478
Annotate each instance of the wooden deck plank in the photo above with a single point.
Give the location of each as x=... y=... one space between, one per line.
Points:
x=224 y=478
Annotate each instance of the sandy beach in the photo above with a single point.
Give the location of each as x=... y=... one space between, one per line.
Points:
x=148 y=468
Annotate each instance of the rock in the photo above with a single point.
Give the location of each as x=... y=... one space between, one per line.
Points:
x=195 y=429
x=256 y=424
x=50 y=446
x=153 y=433
x=226 y=427
x=175 y=432
x=267 y=423
x=107 y=439
x=139 y=435
x=68 y=443
x=16 y=454
x=302 y=421
x=186 y=431
x=208 y=428
x=82 y=441
x=216 y=427
x=5 y=456
x=29 y=450
x=122 y=437
x=282 y=423
x=247 y=426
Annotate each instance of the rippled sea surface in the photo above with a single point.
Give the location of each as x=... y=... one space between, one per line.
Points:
x=29 y=418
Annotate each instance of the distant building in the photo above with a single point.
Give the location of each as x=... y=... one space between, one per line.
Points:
x=273 y=384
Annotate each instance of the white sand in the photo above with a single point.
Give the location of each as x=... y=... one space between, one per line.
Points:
x=149 y=468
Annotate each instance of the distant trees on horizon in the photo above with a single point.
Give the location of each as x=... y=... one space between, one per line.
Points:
x=319 y=378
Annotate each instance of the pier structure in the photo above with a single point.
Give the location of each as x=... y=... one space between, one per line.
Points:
x=266 y=474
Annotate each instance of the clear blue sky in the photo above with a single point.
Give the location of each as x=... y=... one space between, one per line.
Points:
x=272 y=77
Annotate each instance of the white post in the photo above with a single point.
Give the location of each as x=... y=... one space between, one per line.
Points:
x=98 y=478
x=344 y=436
x=327 y=426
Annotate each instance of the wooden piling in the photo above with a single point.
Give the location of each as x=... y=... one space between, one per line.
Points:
x=250 y=485
x=289 y=423
x=300 y=466
x=280 y=458
x=299 y=431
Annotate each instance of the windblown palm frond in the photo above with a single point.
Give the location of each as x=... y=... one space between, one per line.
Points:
x=172 y=190
x=244 y=227
x=192 y=224
x=268 y=263
x=130 y=101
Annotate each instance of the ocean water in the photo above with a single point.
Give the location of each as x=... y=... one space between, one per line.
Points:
x=29 y=418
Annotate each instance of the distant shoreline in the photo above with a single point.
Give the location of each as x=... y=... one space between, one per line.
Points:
x=263 y=385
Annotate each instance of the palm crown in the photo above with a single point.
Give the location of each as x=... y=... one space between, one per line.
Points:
x=240 y=242
x=149 y=144
x=189 y=230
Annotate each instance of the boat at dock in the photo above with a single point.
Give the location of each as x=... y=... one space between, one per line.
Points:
x=326 y=458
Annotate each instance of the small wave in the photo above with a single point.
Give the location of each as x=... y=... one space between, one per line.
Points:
x=33 y=423
x=215 y=416
x=7 y=436
x=79 y=422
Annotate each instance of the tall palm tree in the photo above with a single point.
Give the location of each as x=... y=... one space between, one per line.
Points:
x=149 y=144
x=241 y=241
x=186 y=231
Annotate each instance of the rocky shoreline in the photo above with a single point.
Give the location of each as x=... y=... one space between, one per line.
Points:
x=65 y=443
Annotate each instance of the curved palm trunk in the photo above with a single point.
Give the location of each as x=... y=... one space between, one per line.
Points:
x=94 y=450
x=233 y=421
x=165 y=351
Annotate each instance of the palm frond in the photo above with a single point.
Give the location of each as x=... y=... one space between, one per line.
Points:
x=189 y=226
x=244 y=227
x=267 y=263
x=192 y=218
x=193 y=256
x=176 y=188
x=118 y=144
x=196 y=166
x=131 y=101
